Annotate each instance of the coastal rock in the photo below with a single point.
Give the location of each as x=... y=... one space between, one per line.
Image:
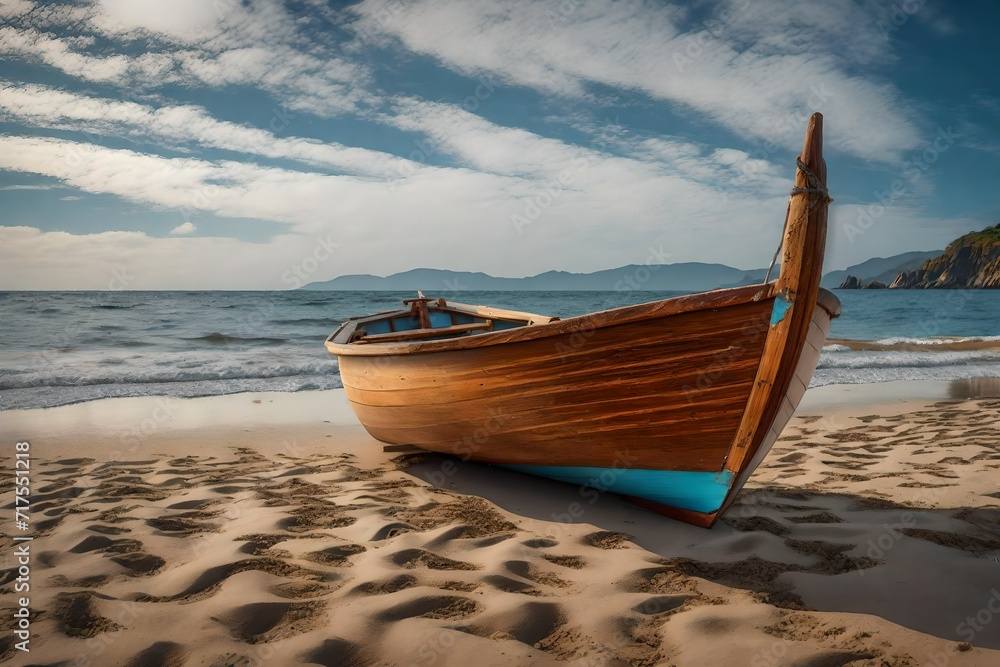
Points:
x=851 y=282
x=970 y=262
x=875 y=284
x=905 y=280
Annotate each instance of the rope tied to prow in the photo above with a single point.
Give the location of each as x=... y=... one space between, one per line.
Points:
x=815 y=184
x=815 y=187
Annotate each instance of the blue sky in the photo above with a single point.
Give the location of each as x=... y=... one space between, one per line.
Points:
x=258 y=144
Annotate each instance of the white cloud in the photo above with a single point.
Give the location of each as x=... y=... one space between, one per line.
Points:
x=58 y=53
x=607 y=211
x=52 y=108
x=178 y=18
x=209 y=43
x=762 y=89
x=183 y=229
x=27 y=187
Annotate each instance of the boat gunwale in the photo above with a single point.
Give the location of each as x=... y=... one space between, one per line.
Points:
x=687 y=303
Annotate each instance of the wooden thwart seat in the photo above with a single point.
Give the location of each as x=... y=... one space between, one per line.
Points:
x=416 y=334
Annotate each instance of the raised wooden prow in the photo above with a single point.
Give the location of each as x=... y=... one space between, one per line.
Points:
x=796 y=292
x=804 y=243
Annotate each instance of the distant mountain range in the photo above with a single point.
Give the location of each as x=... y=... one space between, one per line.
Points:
x=686 y=277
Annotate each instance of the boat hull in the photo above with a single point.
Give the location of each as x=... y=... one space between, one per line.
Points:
x=664 y=393
x=673 y=403
x=645 y=408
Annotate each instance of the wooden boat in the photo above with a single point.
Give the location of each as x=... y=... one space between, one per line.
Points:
x=672 y=403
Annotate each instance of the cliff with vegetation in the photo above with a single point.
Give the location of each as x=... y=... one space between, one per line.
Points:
x=971 y=262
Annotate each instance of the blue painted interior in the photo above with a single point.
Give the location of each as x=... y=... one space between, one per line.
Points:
x=377 y=327
x=696 y=491
x=438 y=320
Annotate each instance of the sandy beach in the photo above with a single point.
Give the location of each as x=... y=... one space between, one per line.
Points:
x=256 y=529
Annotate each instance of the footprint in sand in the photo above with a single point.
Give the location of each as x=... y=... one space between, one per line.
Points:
x=336 y=556
x=301 y=589
x=509 y=585
x=411 y=558
x=657 y=580
x=336 y=652
x=660 y=604
x=431 y=606
x=140 y=564
x=381 y=587
x=606 y=539
x=192 y=504
x=391 y=530
x=160 y=654
x=539 y=543
x=271 y=621
x=107 y=545
x=209 y=581
x=181 y=525
x=76 y=463
x=109 y=530
x=228 y=489
x=529 y=623
x=109 y=492
x=315 y=516
x=93 y=581
x=529 y=571
x=259 y=543
x=64 y=493
x=79 y=615
x=572 y=562
x=816 y=517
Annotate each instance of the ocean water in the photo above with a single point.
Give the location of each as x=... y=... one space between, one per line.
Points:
x=67 y=347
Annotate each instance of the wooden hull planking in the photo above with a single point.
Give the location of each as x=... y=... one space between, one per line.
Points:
x=670 y=391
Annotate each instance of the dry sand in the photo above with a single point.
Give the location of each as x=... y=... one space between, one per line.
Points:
x=246 y=530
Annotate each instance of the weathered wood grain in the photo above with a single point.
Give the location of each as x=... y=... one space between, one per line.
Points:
x=669 y=390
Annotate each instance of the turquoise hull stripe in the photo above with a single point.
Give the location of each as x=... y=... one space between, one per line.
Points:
x=696 y=491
